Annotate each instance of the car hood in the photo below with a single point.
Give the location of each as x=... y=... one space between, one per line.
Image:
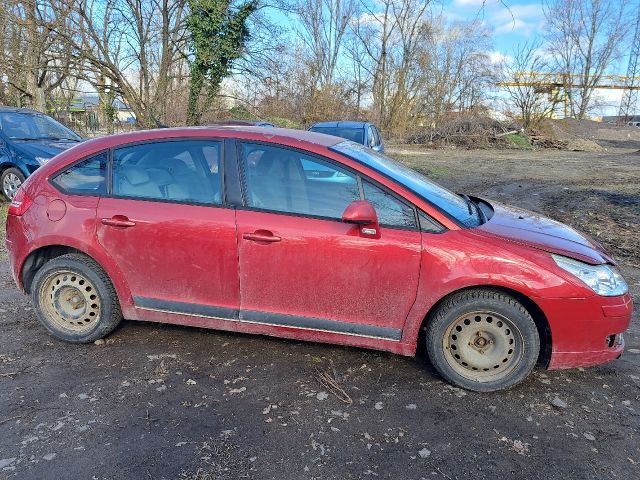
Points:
x=42 y=148
x=533 y=230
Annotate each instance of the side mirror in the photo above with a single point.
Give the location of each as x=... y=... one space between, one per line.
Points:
x=362 y=213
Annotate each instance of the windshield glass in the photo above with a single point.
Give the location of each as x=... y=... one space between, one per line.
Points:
x=353 y=134
x=29 y=126
x=447 y=201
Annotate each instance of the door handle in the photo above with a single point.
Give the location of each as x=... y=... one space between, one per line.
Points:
x=261 y=236
x=118 y=221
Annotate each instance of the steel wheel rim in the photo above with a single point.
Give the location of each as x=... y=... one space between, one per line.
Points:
x=11 y=184
x=483 y=346
x=70 y=301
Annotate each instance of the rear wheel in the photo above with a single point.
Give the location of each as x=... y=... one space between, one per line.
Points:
x=10 y=182
x=75 y=300
x=482 y=340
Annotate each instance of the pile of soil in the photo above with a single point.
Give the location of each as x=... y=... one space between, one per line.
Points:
x=586 y=135
x=468 y=130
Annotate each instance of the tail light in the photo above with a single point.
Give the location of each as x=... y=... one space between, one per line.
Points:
x=20 y=203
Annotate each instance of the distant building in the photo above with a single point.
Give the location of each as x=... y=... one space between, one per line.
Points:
x=618 y=119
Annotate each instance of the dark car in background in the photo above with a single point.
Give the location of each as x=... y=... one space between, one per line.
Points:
x=28 y=139
x=361 y=132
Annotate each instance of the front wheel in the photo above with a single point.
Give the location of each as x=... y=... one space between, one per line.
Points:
x=482 y=340
x=10 y=182
x=74 y=299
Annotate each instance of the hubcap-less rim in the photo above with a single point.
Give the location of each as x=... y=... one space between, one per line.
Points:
x=71 y=301
x=483 y=346
x=11 y=184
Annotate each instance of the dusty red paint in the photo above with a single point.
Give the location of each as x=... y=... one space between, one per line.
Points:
x=266 y=262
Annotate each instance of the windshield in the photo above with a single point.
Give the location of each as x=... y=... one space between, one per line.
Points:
x=353 y=134
x=29 y=126
x=450 y=203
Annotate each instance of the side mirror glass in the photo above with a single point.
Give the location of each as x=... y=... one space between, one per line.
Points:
x=362 y=213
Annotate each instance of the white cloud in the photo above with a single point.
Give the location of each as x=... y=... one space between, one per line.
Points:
x=505 y=19
x=496 y=57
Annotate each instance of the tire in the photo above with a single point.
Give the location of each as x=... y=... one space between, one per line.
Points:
x=75 y=300
x=10 y=181
x=482 y=340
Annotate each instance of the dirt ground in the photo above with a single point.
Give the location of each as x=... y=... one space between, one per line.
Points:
x=165 y=402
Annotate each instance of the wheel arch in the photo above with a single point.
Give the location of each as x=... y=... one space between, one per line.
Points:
x=41 y=255
x=538 y=315
x=38 y=257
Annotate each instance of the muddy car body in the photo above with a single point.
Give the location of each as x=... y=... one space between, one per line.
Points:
x=383 y=261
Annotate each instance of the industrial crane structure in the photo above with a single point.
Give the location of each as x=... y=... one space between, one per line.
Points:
x=556 y=85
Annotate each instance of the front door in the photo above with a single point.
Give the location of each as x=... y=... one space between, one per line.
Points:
x=301 y=266
x=166 y=227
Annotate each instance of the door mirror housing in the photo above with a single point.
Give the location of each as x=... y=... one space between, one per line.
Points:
x=360 y=212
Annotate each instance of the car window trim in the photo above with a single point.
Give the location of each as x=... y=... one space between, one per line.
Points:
x=57 y=173
x=166 y=200
x=359 y=178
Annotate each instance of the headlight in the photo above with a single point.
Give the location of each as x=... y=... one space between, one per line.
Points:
x=42 y=160
x=602 y=279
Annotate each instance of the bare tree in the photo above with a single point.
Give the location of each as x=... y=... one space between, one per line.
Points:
x=583 y=36
x=391 y=33
x=518 y=75
x=322 y=28
x=128 y=49
x=34 y=62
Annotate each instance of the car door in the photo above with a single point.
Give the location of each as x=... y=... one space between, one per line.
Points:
x=167 y=227
x=301 y=266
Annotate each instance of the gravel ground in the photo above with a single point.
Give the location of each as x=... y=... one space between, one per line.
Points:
x=162 y=402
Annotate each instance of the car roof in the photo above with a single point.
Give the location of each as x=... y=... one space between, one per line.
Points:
x=284 y=136
x=9 y=109
x=341 y=124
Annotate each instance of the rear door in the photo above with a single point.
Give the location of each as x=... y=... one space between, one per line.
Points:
x=301 y=266
x=167 y=227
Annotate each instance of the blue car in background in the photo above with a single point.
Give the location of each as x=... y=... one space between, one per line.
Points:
x=364 y=133
x=28 y=139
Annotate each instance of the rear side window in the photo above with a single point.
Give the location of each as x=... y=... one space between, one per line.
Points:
x=85 y=178
x=371 y=140
x=186 y=171
x=355 y=134
x=391 y=211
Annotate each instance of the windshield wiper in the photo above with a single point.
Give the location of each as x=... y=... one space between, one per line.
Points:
x=62 y=138
x=471 y=205
x=469 y=202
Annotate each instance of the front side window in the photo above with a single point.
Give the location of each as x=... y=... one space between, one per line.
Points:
x=454 y=205
x=286 y=180
x=391 y=211
x=85 y=178
x=185 y=171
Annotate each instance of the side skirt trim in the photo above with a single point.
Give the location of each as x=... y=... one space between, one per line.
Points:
x=271 y=319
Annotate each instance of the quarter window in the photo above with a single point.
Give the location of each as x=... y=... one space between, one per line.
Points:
x=85 y=178
x=286 y=180
x=391 y=211
x=180 y=171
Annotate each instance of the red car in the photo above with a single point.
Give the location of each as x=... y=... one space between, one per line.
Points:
x=302 y=235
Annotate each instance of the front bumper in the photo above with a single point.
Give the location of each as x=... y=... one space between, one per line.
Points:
x=588 y=331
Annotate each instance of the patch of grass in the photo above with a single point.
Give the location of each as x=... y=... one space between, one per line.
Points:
x=518 y=140
x=3 y=234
